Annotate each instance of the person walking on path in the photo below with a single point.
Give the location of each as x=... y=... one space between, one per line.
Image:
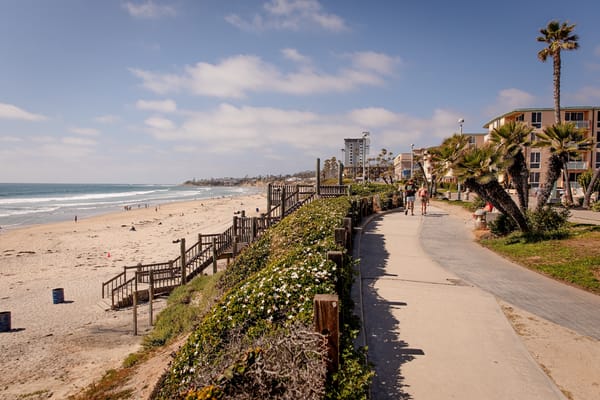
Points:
x=409 y=194
x=423 y=194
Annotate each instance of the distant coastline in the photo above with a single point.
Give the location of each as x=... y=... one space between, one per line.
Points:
x=33 y=204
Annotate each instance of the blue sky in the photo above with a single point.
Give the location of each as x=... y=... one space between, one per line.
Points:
x=162 y=91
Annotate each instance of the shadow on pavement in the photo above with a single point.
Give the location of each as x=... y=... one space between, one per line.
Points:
x=386 y=350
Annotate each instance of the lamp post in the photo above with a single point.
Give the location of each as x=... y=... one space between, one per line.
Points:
x=461 y=121
x=412 y=160
x=364 y=155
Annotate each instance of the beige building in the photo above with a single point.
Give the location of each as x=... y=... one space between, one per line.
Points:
x=586 y=118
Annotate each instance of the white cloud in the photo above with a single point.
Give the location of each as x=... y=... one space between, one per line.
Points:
x=269 y=133
x=165 y=106
x=149 y=10
x=9 y=111
x=10 y=139
x=159 y=123
x=378 y=62
x=78 y=141
x=294 y=55
x=510 y=99
x=107 y=119
x=294 y=15
x=236 y=76
x=85 y=131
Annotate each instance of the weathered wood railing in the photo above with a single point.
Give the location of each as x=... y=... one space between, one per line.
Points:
x=282 y=200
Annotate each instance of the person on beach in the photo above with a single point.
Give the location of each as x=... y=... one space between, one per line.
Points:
x=409 y=194
x=423 y=194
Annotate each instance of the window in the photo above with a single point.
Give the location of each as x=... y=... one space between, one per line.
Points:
x=534 y=179
x=598 y=119
x=574 y=116
x=536 y=119
x=520 y=117
x=597 y=159
x=598 y=139
x=534 y=160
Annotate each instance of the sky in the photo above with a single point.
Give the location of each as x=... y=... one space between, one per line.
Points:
x=162 y=91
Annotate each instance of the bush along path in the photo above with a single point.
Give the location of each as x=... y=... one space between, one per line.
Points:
x=258 y=341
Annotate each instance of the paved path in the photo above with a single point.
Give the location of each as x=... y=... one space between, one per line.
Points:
x=449 y=242
x=430 y=335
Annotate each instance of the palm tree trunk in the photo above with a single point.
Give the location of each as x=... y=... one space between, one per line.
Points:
x=590 y=189
x=554 y=170
x=568 y=184
x=494 y=193
x=520 y=175
x=556 y=65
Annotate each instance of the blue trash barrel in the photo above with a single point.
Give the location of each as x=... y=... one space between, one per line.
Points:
x=58 y=295
x=5 y=321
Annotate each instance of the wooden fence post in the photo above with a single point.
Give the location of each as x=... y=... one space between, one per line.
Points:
x=253 y=227
x=183 y=261
x=151 y=296
x=235 y=225
x=269 y=198
x=348 y=228
x=234 y=247
x=340 y=236
x=214 y=246
x=283 y=196
x=318 y=177
x=326 y=308
x=340 y=173
x=199 y=243
x=135 y=293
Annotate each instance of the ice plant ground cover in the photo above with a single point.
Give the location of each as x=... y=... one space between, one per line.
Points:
x=239 y=349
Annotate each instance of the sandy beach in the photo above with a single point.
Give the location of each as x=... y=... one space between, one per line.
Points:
x=58 y=349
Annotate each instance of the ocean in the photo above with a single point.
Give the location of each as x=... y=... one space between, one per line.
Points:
x=23 y=204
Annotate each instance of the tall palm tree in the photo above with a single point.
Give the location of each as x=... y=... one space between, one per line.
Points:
x=565 y=142
x=479 y=168
x=558 y=37
x=509 y=140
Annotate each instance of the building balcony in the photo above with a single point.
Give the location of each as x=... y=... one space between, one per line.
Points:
x=581 y=124
x=572 y=165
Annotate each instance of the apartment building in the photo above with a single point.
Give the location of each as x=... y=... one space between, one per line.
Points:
x=356 y=153
x=586 y=118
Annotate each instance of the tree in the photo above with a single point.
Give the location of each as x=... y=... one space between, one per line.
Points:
x=509 y=140
x=385 y=166
x=591 y=183
x=478 y=168
x=565 y=142
x=445 y=155
x=558 y=37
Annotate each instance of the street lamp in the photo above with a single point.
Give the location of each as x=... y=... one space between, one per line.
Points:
x=412 y=160
x=364 y=154
x=461 y=121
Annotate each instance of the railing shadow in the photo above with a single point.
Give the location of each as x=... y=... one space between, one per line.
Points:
x=386 y=350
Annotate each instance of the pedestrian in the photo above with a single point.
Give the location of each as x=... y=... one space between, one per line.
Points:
x=409 y=194
x=423 y=194
x=76 y=219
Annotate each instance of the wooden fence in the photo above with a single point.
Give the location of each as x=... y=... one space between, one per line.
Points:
x=139 y=280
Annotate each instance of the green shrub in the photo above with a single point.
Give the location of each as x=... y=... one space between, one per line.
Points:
x=502 y=226
x=548 y=219
x=268 y=289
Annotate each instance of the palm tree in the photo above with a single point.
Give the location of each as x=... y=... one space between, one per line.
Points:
x=558 y=37
x=509 y=140
x=479 y=168
x=444 y=156
x=564 y=141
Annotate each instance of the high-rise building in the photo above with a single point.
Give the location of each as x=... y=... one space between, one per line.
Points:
x=356 y=152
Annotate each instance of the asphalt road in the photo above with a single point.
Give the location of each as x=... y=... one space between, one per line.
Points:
x=448 y=241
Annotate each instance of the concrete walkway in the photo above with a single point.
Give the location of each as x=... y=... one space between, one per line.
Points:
x=449 y=241
x=430 y=334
